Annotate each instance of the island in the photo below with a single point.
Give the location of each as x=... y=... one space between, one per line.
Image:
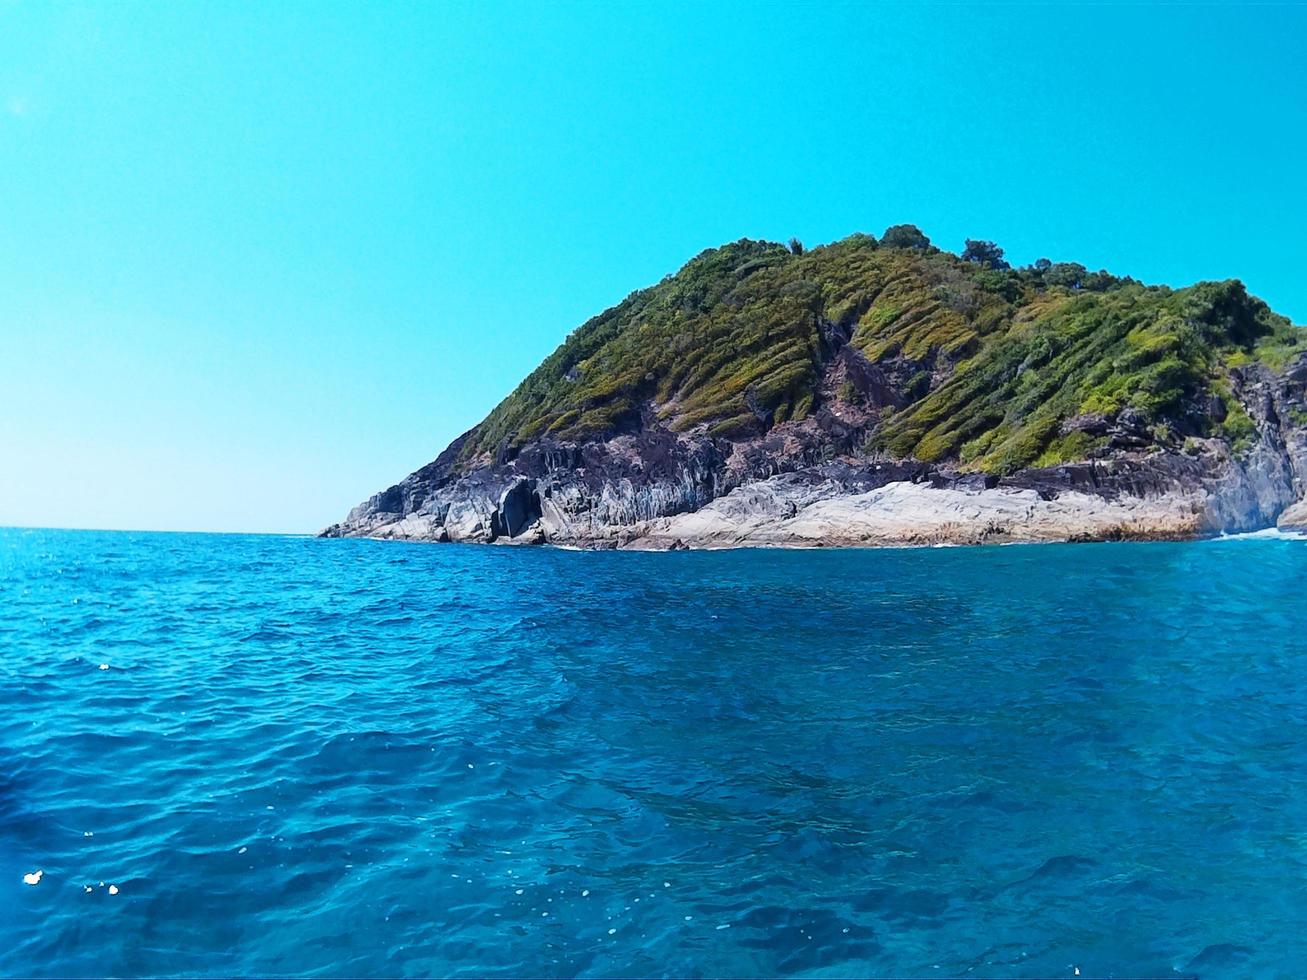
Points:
x=882 y=391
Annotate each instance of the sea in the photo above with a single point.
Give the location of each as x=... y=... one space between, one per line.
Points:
x=283 y=756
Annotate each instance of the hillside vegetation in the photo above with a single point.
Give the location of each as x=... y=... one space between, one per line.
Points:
x=987 y=363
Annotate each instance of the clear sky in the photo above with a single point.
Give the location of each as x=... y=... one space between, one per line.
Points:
x=261 y=260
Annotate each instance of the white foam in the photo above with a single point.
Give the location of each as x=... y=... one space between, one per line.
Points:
x=1265 y=534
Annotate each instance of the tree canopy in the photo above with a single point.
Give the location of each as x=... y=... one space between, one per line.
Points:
x=904 y=236
x=984 y=253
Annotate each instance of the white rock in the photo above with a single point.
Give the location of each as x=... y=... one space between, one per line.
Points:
x=916 y=514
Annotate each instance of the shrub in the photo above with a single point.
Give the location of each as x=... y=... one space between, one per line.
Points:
x=904 y=236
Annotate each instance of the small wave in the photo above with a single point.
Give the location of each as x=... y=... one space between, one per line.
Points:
x=1265 y=534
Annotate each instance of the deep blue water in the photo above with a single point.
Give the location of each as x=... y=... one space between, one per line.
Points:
x=350 y=757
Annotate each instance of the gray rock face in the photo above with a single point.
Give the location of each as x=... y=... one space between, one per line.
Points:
x=1294 y=518
x=518 y=506
x=809 y=483
x=1260 y=482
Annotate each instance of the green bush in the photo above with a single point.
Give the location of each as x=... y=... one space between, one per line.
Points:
x=904 y=236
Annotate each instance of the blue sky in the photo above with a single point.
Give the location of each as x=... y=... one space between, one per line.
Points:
x=258 y=261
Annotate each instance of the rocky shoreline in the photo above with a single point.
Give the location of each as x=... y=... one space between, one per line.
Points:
x=655 y=490
x=787 y=512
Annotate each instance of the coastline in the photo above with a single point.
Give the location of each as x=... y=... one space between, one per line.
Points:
x=781 y=512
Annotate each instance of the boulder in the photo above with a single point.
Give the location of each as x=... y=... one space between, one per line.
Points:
x=1090 y=423
x=1294 y=518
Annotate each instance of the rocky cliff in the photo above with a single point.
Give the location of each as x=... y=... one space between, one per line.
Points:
x=882 y=392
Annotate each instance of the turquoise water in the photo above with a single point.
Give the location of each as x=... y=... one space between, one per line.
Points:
x=353 y=757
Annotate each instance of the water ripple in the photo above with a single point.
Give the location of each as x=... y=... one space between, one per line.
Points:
x=330 y=758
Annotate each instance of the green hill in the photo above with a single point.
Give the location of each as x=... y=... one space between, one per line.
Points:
x=975 y=363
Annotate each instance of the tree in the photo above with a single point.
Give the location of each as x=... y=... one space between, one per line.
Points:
x=1069 y=274
x=985 y=253
x=1042 y=265
x=904 y=236
x=796 y=246
x=1098 y=281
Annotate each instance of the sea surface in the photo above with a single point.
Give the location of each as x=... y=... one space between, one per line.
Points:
x=314 y=758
